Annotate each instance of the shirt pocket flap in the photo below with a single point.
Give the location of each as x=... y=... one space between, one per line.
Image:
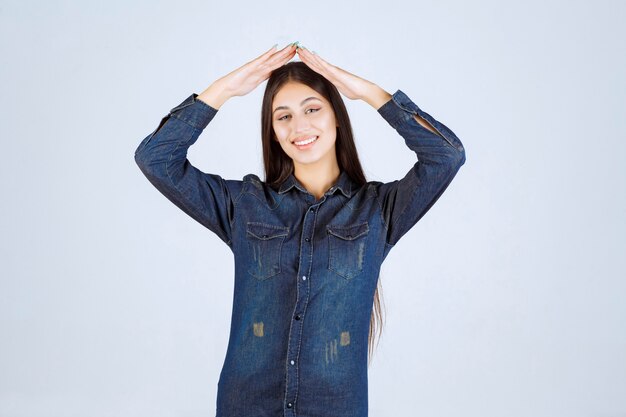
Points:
x=349 y=232
x=266 y=231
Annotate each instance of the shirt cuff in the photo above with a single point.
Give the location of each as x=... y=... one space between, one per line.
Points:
x=398 y=109
x=194 y=112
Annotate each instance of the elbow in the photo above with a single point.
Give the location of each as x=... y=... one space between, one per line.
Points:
x=141 y=162
x=455 y=158
x=142 y=153
x=149 y=167
x=461 y=157
x=140 y=158
x=146 y=159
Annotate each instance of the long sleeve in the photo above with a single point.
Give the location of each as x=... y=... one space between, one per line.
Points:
x=404 y=202
x=162 y=157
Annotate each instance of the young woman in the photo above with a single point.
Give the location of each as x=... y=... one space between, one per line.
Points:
x=308 y=241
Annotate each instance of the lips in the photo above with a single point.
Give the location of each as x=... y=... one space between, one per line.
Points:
x=306 y=145
x=303 y=138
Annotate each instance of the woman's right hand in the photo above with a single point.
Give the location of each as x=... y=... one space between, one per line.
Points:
x=246 y=78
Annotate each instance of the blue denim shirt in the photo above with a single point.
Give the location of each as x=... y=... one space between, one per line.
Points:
x=305 y=269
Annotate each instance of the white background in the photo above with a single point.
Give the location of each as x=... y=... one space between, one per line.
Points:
x=113 y=302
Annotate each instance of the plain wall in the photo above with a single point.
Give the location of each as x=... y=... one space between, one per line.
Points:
x=113 y=302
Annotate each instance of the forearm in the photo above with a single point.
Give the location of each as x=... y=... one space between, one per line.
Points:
x=214 y=95
x=376 y=96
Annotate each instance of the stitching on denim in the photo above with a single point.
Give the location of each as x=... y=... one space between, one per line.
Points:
x=333 y=229
x=148 y=138
x=413 y=109
x=315 y=213
x=268 y=227
x=196 y=100
x=290 y=332
x=262 y=277
x=188 y=123
x=345 y=241
x=440 y=136
x=330 y=250
x=264 y=201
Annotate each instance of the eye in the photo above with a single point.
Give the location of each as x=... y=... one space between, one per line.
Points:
x=281 y=118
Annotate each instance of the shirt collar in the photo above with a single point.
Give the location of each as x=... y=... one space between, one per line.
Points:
x=344 y=184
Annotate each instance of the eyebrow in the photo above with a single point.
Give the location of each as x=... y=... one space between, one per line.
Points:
x=301 y=104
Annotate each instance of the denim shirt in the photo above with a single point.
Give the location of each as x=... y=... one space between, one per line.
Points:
x=305 y=269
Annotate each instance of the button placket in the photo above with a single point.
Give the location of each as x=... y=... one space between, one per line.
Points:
x=295 y=332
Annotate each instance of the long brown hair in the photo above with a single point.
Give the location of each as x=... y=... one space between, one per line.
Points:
x=278 y=165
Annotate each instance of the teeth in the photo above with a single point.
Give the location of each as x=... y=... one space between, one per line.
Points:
x=306 y=141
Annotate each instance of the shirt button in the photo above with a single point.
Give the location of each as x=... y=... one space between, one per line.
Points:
x=303 y=277
x=289 y=405
x=292 y=362
x=307 y=239
x=297 y=317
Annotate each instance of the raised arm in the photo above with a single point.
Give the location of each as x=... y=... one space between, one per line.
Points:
x=376 y=97
x=162 y=155
x=439 y=151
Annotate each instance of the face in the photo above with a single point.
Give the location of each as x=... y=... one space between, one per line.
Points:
x=300 y=113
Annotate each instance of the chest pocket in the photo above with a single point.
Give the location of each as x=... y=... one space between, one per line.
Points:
x=347 y=249
x=265 y=243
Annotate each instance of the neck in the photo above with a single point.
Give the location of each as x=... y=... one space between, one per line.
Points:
x=317 y=180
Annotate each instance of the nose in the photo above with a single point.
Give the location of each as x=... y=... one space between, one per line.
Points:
x=302 y=124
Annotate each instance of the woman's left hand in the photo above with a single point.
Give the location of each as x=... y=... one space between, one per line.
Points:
x=348 y=84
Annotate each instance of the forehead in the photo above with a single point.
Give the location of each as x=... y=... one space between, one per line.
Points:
x=292 y=94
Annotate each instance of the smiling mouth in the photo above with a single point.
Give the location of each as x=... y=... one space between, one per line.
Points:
x=306 y=142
